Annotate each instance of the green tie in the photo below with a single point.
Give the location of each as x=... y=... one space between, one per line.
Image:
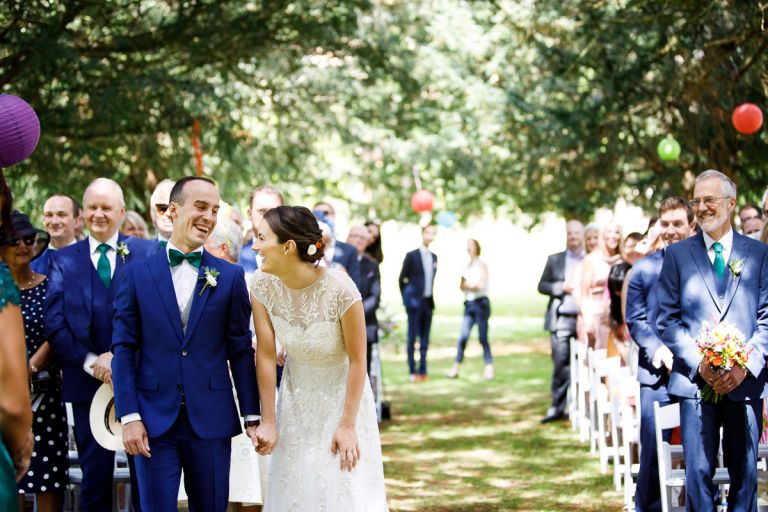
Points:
x=177 y=257
x=719 y=260
x=102 y=267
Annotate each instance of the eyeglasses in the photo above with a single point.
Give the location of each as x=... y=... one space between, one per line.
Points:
x=161 y=208
x=28 y=240
x=709 y=202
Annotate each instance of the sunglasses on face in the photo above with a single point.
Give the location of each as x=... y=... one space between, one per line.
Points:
x=28 y=240
x=161 y=208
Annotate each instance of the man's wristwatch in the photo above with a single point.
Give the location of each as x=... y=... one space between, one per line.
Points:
x=251 y=423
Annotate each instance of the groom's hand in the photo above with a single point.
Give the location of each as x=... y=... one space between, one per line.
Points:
x=102 y=367
x=135 y=439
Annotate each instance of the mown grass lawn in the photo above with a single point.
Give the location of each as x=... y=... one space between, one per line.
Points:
x=472 y=445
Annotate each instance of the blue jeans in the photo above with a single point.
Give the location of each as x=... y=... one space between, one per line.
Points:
x=475 y=312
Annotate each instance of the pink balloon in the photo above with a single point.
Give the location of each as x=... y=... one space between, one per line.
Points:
x=747 y=118
x=19 y=130
x=422 y=201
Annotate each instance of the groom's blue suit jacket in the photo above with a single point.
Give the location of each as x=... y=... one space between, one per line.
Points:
x=156 y=365
x=688 y=296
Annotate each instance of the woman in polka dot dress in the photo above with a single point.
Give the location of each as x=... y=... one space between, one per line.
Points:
x=47 y=475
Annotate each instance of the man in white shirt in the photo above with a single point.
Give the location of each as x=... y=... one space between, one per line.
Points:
x=78 y=324
x=417 y=278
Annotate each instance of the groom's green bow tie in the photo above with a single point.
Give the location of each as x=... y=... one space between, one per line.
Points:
x=176 y=257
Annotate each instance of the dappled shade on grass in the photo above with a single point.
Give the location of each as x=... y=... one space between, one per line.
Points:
x=471 y=445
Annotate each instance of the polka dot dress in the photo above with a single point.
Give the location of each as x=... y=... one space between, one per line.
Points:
x=48 y=471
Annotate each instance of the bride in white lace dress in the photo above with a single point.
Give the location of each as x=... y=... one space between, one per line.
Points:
x=327 y=451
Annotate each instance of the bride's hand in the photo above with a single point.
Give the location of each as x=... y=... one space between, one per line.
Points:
x=266 y=438
x=345 y=443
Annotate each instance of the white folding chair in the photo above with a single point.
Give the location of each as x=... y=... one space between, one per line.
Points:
x=583 y=392
x=625 y=431
x=602 y=409
x=573 y=384
x=593 y=359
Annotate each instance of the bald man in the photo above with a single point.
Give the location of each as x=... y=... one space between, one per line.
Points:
x=562 y=310
x=78 y=324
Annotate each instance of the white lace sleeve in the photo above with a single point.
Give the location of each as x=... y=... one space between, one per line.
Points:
x=258 y=286
x=348 y=292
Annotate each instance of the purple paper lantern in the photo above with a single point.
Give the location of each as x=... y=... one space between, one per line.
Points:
x=19 y=130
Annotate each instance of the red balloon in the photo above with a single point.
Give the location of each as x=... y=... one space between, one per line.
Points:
x=747 y=118
x=422 y=201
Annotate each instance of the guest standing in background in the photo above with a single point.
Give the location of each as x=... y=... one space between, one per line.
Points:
x=594 y=305
x=158 y=210
x=78 y=325
x=134 y=225
x=374 y=244
x=16 y=441
x=370 y=285
x=591 y=238
x=675 y=224
x=477 y=309
x=263 y=199
x=558 y=282
x=417 y=279
x=619 y=340
x=62 y=219
x=47 y=475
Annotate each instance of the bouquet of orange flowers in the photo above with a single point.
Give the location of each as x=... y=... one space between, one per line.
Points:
x=723 y=347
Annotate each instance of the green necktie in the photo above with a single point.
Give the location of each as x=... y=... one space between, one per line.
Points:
x=177 y=257
x=102 y=267
x=719 y=260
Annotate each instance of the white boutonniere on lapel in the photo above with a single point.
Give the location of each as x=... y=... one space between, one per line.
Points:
x=123 y=250
x=210 y=276
x=736 y=267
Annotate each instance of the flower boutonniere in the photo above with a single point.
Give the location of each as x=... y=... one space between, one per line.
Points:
x=210 y=276
x=736 y=267
x=123 y=250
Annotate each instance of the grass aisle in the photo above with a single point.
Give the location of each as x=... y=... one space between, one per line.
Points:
x=471 y=445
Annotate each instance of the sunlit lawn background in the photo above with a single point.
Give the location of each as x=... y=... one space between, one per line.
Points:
x=472 y=445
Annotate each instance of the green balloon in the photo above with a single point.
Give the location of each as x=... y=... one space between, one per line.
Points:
x=668 y=148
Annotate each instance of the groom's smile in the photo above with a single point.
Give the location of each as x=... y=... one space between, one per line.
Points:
x=194 y=215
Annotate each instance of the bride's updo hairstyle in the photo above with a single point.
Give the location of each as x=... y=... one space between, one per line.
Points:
x=297 y=223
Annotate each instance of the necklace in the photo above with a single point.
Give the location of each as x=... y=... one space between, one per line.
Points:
x=28 y=284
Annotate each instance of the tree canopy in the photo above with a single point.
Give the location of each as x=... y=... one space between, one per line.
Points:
x=503 y=105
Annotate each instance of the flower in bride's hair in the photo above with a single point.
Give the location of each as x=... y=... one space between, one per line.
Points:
x=312 y=249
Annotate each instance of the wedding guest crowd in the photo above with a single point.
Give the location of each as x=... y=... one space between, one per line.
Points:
x=659 y=289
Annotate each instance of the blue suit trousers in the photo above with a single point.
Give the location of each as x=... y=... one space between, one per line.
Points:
x=205 y=463
x=648 y=491
x=742 y=425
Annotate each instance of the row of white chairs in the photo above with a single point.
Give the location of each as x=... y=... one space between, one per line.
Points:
x=604 y=408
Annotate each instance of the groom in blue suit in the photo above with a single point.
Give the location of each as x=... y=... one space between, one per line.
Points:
x=716 y=276
x=676 y=222
x=181 y=317
x=78 y=312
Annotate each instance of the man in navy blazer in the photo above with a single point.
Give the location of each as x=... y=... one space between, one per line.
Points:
x=562 y=310
x=716 y=276
x=676 y=221
x=78 y=314
x=61 y=219
x=417 y=279
x=181 y=317
x=370 y=284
